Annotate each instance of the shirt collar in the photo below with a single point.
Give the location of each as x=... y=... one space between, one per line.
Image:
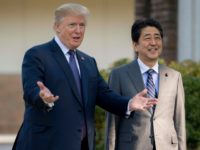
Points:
x=144 y=68
x=61 y=45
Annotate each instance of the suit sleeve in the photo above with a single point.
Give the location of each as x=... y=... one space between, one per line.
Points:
x=112 y=121
x=32 y=71
x=110 y=100
x=179 y=116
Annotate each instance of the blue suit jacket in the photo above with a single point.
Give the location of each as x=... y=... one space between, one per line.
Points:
x=60 y=128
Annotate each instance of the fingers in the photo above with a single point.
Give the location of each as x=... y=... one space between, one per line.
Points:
x=40 y=85
x=141 y=103
x=46 y=94
x=54 y=98
x=48 y=97
x=151 y=102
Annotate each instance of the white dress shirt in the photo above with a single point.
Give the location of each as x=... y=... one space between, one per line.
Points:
x=65 y=52
x=144 y=68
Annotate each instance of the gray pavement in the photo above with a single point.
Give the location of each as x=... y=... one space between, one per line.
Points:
x=5 y=146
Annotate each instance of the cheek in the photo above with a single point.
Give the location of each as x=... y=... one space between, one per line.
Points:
x=65 y=34
x=142 y=47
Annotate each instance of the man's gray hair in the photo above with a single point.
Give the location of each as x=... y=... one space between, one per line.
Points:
x=70 y=9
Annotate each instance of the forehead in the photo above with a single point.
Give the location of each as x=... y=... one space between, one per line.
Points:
x=150 y=31
x=75 y=18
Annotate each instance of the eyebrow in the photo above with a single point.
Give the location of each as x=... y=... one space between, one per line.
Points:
x=148 y=34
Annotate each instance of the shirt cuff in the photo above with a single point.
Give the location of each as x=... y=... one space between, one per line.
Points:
x=128 y=112
x=49 y=104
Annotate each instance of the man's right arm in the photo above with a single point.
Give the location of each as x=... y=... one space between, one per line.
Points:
x=32 y=72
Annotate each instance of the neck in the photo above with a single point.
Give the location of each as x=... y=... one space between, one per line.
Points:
x=149 y=63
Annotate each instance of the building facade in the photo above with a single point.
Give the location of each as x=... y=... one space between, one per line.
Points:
x=180 y=21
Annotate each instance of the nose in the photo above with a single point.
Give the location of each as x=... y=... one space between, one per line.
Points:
x=153 y=41
x=78 y=29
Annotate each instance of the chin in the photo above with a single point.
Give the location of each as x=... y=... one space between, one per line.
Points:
x=76 y=45
x=154 y=57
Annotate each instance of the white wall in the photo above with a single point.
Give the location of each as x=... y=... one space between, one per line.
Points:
x=25 y=23
x=189 y=30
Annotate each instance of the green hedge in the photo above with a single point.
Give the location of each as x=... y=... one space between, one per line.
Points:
x=191 y=80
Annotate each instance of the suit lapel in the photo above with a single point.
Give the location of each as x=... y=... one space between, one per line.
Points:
x=135 y=75
x=163 y=80
x=60 y=58
x=84 y=77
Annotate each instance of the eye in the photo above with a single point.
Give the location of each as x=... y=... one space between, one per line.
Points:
x=72 y=25
x=147 y=38
x=158 y=37
x=82 y=25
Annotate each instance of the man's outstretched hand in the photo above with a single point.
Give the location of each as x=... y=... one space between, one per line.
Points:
x=46 y=94
x=141 y=102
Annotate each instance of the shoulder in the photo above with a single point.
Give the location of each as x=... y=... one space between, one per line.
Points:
x=82 y=54
x=40 y=48
x=119 y=72
x=124 y=68
x=169 y=70
x=87 y=58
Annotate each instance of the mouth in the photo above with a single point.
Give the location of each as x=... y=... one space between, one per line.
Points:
x=152 y=49
x=76 y=39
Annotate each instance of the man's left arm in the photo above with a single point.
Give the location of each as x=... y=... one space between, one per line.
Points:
x=179 y=116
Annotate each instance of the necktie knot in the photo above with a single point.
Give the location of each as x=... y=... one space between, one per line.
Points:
x=150 y=71
x=71 y=52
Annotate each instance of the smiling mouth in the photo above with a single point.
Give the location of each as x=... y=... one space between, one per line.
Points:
x=153 y=49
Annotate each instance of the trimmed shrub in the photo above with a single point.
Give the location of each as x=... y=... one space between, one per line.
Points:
x=190 y=71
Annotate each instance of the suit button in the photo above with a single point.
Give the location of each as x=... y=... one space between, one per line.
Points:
x=151 y=136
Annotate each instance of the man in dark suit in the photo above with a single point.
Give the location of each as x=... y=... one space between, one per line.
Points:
x=61 y=87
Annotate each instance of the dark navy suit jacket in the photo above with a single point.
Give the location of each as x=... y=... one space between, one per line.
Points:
x=60 y=128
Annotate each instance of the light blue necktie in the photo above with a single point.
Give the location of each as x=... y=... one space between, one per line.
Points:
x=151 y=93
x=151 y=89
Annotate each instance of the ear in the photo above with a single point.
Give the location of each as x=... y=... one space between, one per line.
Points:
x=134 y=44
x=56 y=27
